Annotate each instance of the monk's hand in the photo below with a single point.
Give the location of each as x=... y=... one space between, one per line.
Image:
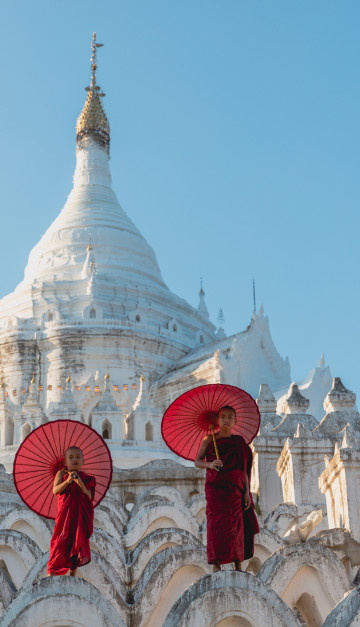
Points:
x=79 y=481
x=247 y=500
x=216 y=464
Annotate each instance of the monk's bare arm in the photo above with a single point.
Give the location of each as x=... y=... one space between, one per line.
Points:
x=59 y=484
x=199 y=461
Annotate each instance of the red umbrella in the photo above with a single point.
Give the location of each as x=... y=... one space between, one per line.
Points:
x=41 y=455
x=193 y=415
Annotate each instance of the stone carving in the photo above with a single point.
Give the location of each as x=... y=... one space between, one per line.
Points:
x=300 y=533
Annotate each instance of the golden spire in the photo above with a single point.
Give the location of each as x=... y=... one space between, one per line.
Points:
x=68 y=379
x=107 y=376
x=33 y=380
x=89 y=245
x=92 y=121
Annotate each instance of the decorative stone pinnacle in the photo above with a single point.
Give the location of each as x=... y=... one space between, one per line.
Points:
x=201 y=293
x=295 y=402
x=266 y=400
x=92 y=123
x=339 y=397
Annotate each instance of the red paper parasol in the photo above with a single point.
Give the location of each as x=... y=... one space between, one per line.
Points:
x=41 y=455
x=193 y=415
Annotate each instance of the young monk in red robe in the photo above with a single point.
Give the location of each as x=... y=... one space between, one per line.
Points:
x=231 y=519
x=70 y=546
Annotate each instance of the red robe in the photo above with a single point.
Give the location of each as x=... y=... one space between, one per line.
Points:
x=69 y=545
x=230 y=528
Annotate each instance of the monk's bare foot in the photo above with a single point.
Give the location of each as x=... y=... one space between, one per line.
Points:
x=216 y=567
x=73 y=572
x=237 y=564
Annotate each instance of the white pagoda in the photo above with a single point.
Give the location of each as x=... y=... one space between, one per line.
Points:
x=92 y=333
x=93 y=303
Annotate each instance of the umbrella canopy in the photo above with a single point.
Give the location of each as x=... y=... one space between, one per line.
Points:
x=191 y=416
x=41 y=455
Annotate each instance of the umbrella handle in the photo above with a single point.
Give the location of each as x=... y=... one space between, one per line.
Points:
x=215 y=445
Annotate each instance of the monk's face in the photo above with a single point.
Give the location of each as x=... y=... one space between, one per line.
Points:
x=226 y=420
x=73 y=459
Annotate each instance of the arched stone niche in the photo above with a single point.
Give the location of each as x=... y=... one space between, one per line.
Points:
x=18 y=553
x=151 y=517
x=299 y=574
x=230 y=599
x=26 y=522
x=93 y=312
x=149 y=431
x=156 y=542
x=25 y=430
x=7 y=432
x=178 y=582
x=75 y=603
x=107 y=429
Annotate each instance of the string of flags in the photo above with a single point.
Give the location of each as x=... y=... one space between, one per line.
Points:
x=125 y=387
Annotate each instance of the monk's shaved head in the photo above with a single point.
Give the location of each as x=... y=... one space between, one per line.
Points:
x=74 y=448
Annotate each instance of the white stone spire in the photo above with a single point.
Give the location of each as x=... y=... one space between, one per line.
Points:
x=202 y=308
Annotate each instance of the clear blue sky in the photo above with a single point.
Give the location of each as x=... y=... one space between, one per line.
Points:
x=234 y=148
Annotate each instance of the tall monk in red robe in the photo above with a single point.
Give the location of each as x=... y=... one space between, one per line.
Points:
x=231 y=518
x=70 y=546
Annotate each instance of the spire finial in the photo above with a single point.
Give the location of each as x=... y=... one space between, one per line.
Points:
x=94 y=45
x=92 y=122
x=201 y=293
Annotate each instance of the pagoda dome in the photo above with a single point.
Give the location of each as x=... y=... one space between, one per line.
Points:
x=118 y=271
